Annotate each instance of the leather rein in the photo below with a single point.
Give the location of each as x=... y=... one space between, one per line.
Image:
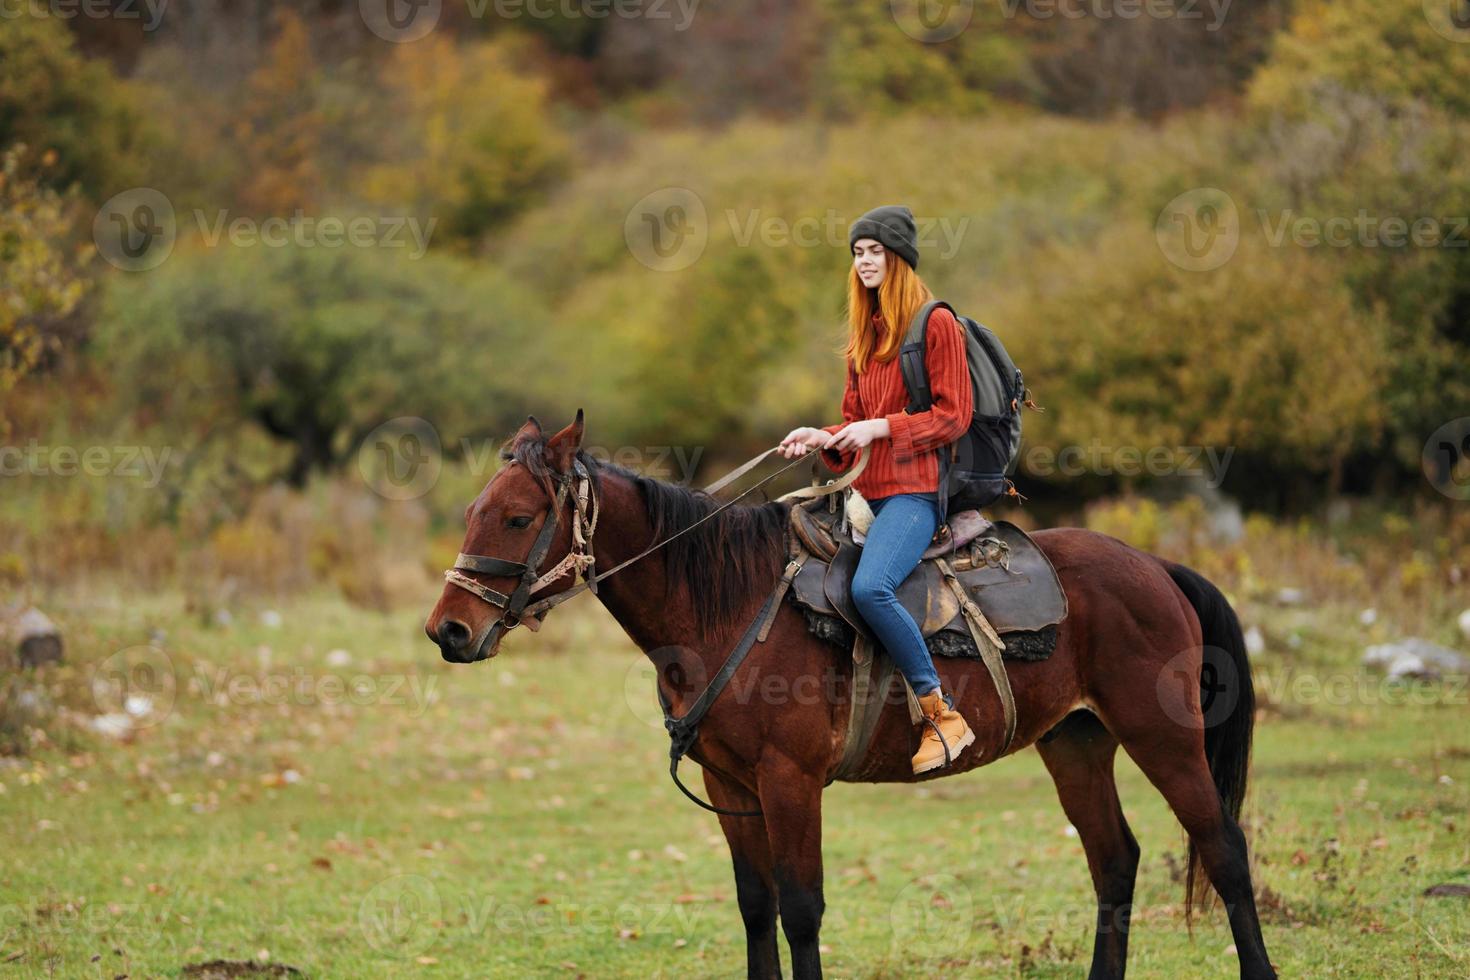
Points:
x=578 y=485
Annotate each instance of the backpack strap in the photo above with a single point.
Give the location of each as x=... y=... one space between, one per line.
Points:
x=915 y=372
x=911 y=357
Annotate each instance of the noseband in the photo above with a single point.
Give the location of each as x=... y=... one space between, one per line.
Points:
x=532 y=580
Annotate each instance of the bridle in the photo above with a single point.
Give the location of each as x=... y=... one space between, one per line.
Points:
x=532 y=580
x=579 y=486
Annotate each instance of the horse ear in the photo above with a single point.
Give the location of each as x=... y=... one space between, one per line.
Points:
x=562 y=448
x=531 y=430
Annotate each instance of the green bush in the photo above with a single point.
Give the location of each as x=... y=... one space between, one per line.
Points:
x=315 y=347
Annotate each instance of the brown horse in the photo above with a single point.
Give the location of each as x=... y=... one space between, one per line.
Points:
x=1150 y=657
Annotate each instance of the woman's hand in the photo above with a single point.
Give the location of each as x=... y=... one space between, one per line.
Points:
x=856 y=435
x=853 y=436
x=801 y=440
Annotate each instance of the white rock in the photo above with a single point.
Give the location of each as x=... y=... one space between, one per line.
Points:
x=1414 y=657
x=1255 y=642
x=138 y=705
x=1368 y=617
x=338 y=658
x=270 y=619
x=1290 y=597
x=1465 y=623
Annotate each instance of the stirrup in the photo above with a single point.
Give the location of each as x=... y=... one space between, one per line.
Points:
x=948 y=759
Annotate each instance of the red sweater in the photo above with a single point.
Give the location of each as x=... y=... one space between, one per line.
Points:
x=908 y=461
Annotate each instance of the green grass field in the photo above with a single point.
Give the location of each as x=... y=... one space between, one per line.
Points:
x=325 y=793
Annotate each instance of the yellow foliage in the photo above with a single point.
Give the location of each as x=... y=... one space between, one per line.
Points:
x=471 y=141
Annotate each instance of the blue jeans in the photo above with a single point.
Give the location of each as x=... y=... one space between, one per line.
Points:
x=903 y=525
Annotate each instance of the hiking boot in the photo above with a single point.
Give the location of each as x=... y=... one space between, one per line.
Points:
x=941 y=721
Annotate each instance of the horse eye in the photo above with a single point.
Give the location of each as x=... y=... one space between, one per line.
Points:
x=518 y=522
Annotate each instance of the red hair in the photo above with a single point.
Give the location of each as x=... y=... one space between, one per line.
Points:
x=900 y=295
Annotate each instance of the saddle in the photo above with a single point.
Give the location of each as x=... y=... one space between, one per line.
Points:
x=976 y=581
x=1000 y=567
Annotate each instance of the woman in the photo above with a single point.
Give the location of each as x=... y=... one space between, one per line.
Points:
x=901 y=481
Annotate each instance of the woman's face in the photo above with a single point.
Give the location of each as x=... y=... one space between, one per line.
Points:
x=870 y=260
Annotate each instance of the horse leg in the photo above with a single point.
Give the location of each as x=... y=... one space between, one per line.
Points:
x=1080 y=760
x=1172 y=756
x=792 y=802
x=755 y=885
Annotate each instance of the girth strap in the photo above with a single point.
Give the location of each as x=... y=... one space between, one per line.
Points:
x=867 y=705
x=685 y=729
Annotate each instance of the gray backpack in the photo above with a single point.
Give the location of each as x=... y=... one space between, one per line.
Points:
x=972 y=474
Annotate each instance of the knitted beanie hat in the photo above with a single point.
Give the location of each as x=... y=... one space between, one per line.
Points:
x=892 y=225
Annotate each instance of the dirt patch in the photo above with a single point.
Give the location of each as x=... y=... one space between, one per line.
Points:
x=225 y=969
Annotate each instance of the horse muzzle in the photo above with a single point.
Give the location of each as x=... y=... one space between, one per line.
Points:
x=458 y=645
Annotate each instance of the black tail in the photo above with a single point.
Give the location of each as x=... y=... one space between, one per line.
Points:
x=1228 y=701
